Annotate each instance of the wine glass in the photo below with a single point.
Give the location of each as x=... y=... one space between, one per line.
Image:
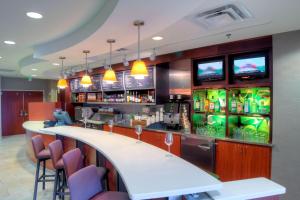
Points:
x=169 y=142
x=110 y=125
x=138 y=131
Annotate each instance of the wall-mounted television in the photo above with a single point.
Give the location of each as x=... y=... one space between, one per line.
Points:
x=211 y=69
x=250 y=66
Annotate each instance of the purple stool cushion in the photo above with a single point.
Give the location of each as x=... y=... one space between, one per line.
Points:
x=38 y=146
x=44 y=154
x=73 y=161
x=56 y=152
x=84 y=184
x=111 y=196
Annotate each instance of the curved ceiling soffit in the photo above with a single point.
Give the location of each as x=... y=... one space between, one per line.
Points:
x=77 y=36
x=30 y=60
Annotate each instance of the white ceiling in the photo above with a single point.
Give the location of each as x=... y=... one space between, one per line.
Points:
x=70 y=26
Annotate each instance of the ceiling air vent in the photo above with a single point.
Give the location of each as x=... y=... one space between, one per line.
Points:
x=222 y=16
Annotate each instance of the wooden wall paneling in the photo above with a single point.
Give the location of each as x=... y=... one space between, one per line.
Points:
x=40 y=111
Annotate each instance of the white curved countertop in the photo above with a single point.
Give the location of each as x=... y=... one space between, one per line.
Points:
x=145 y=169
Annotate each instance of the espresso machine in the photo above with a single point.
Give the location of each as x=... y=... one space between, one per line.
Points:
x=177 y=112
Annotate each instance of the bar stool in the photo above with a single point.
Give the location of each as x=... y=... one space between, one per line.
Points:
x=73 y=161
x=42 y=155
x=56 y=152
x=85 y=185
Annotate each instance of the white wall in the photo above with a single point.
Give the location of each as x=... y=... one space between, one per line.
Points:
x=286 y=112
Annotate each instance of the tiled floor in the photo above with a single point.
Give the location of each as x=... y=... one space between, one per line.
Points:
x=17 y=172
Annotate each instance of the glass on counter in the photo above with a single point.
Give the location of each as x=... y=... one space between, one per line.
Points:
x=169 y=142
x=210 y=125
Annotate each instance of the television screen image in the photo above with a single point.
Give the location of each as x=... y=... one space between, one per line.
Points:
x=250 y=66
x=210 y=70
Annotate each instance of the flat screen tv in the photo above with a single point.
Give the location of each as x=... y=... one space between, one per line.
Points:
x=209 y=70
x=250 y=66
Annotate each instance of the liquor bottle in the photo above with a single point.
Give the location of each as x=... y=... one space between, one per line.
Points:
x=206 y=105
x=246 y=105
x=128 y=96
x=233 y=104
x=212 y=104
x=240 y=106
x=196 y=103
x=222 y=105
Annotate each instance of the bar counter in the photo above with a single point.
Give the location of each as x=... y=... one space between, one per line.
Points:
x=148 y=173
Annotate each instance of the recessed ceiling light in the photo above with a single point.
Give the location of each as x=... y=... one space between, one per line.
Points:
x=9 y=42
x=34 y=15
x=55 y=64
x=157 y=38
x=33 y=75
x=0 y=57
x=34 y=69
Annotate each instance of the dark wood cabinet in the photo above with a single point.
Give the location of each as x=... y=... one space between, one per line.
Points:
x=235 y=161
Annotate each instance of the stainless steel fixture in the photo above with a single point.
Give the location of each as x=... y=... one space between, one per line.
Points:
x=199 y=150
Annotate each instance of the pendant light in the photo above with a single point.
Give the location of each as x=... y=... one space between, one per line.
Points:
x=86 y=79
x=139 y=69
x=110 y=75
x=62 y=82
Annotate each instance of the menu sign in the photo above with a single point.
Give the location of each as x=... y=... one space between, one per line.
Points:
x=132 y=84
x=75 y=85
x=116 y=86
x=96 y=86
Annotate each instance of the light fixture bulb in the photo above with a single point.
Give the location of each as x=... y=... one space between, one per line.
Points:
x=86 y=81
x=62 y=83
x=110 y=76
x=139 y=69
x=157 y=38
x=9 y=42
x=34 y=15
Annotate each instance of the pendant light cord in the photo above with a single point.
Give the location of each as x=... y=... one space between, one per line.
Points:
x=62 y=66
x=86 y=66
x=110 y=52
x=139 y=48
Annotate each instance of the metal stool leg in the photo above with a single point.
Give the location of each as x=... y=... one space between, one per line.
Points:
x=44 y=174
x=37 y=174
x=55 y=184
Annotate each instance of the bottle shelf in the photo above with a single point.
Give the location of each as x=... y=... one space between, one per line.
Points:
x=209 y=113
x=125 y=103
x=250 y=114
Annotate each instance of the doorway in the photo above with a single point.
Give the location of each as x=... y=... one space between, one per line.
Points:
x=14 y=110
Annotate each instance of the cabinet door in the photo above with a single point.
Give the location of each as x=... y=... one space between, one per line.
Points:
x=229 y=160
x=12 y=116
x=256 y=161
